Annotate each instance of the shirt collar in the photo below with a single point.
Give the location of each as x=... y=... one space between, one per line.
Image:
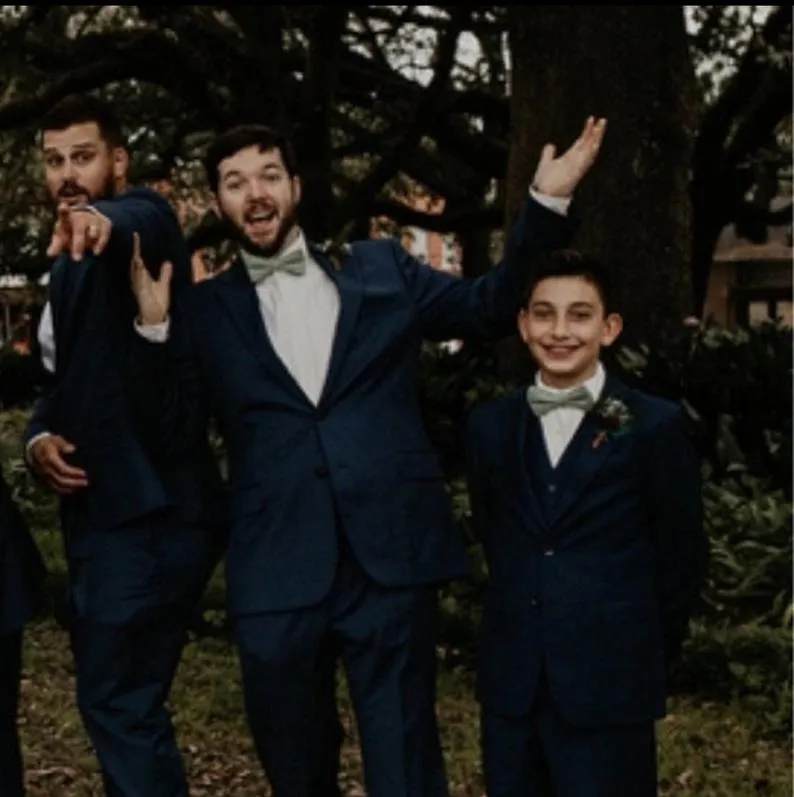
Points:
x=595 y=384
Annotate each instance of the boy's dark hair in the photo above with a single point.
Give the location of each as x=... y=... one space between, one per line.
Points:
x=571 y=263
x=242 y=137
x=76 y=109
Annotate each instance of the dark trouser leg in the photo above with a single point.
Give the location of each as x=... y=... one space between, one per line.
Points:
x=11 y=784
x=132 y=589
x=513 y=762
x=289 y=686
x=124 y=675
x=388 y=641
x=615 y=761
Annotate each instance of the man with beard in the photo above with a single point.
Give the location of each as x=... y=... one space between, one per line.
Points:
x=140 y=534
x=341 y=527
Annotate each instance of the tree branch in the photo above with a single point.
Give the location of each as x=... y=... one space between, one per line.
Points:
x=428 y=108
x=477 y=218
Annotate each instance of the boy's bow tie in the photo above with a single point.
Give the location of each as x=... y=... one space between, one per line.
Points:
x=542 y=401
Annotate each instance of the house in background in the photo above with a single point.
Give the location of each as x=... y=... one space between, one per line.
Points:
x=751 y=283
x=439 y=250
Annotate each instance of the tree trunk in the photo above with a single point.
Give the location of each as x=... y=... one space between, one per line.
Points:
x=631 y=65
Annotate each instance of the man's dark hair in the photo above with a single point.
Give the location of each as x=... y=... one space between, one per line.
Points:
x=571 y=263
x=77 y=109
x=241 y=137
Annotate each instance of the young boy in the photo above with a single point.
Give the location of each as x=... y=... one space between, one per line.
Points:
x=587 y=497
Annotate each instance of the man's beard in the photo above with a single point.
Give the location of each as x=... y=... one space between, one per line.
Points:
x=236 y=234
x=71 y=189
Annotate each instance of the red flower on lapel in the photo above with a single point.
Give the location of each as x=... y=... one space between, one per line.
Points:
x=614 y=419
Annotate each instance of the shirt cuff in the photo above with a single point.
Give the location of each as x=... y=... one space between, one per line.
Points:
x=154 y=333
x=557 y=204
x=32 y=441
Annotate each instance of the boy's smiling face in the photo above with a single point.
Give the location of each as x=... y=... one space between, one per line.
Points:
x=565 y=325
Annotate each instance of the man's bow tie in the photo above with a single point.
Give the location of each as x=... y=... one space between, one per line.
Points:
x=542 y=401
x=259 y=268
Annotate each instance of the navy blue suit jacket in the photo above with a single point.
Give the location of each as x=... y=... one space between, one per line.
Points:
x=93 y=310
x=592 y=582
x=21 y=567
x=361 y=459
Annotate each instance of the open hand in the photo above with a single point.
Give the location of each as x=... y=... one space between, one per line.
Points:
x=153 y=295
x=46 y=457
x=559 y=176
x=79 y=229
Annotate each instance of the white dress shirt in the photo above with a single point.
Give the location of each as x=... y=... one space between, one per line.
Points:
x=560 y=425
x=46 y=337
x=300 y=314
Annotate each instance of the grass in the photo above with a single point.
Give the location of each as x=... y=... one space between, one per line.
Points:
x=707 y=749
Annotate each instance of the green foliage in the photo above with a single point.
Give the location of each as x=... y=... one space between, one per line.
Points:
x=749 y=528
x=749 y=663
x=736 y=385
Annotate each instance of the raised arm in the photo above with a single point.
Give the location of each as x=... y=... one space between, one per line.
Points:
x=449 y=307
x=107 y=227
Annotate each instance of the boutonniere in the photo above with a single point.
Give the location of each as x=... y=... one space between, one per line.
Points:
x=614 y=419
x=336 y=251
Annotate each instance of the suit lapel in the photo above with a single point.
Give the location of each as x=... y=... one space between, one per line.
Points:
x=530 y=443
x=583 y=458
x=237 y=295
x=348 y=282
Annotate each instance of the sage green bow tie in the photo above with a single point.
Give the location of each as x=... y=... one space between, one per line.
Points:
x=259 y=268
x=542 y=401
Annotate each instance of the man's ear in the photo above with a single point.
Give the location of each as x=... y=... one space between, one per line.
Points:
x=296 y=189
x=613 y=326
x=121 y=164
x=522 y=323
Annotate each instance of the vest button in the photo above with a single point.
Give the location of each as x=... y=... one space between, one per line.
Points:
x=535 y=602
x=552 y=488
x=321 y=471
x=549 y=552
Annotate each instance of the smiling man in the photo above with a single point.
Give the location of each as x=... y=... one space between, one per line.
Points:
x=342 y=529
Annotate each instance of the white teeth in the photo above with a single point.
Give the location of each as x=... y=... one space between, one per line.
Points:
x=261 y=216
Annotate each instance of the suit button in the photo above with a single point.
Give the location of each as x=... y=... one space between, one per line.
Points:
x=321 y=471
x=549 y=552
x=552 y=488
x=535 y=602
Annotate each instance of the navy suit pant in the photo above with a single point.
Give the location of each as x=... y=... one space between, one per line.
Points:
x=543 y=755
x=133 y=594
x=385 y=638
x=11 y=784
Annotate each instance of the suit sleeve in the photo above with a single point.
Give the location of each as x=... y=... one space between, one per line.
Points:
x=675 y=512
x=476 y=477
x=167 y=399
x=40 y=419
x=152 y=217
x=485 y=307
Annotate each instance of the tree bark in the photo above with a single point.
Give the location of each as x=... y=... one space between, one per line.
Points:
x=631 y=65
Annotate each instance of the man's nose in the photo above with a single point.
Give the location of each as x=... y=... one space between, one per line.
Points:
x=258 y=190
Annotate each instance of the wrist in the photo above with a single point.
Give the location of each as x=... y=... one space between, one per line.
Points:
x=151 y=319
